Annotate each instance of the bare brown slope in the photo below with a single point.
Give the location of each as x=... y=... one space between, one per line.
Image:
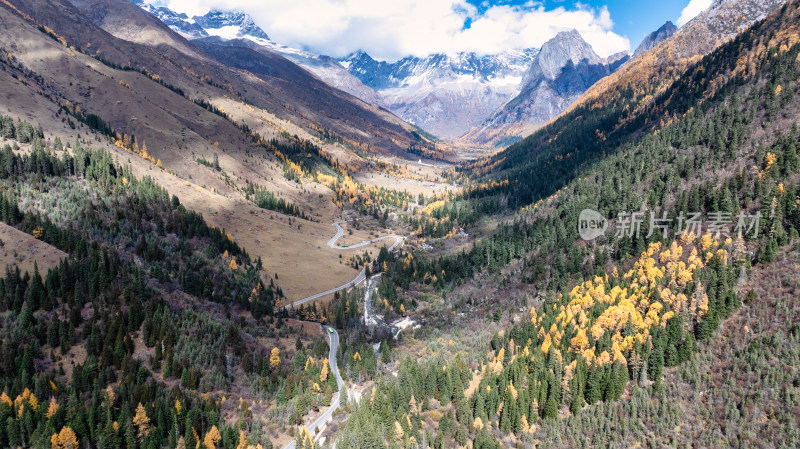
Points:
x=38 y=73
x=122 y=34
x=128 y=101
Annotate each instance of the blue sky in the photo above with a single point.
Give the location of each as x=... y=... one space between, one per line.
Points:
x=392 y=29
x=632 y=19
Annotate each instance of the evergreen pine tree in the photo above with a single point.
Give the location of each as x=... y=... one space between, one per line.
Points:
x=550 y=408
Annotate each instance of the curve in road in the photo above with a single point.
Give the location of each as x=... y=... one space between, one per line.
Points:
x=334 y=336
x=340 y=232
x=361 y=274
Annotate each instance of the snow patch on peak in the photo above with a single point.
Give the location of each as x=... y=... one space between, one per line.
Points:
x=225 y=32
x=239 y=25
x=444 y=93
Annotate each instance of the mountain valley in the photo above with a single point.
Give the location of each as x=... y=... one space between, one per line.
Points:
x=215 y=240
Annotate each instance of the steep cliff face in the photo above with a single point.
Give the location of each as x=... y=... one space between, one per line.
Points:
x=655 y=38
x=564 y=68
x=566 y=46
x=656 y=69
x=444 y=94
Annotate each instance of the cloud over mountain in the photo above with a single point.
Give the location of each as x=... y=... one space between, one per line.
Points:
x=391 y=30
x=691 y=10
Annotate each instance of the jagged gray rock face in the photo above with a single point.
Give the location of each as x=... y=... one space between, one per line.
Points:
x=544 y=98
x=723 y=20
x=179 y=22
x=383 y=75
x=564 y=68
x=444 y=94
x=483 y=99
x=655 y=38
x=203 y=26
x=218 y=19
x=566 y=46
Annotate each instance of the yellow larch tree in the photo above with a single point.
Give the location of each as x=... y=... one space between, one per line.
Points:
x=142 y=422
x=66 y=439
x=323 y=373
x=111 y=396
x=303 y=439
x=580 y=342
x=33 y=402
x=275 y=358
x=52 y=408
x=4 y=399
x=526 y=428
x=242 y=441
x=398 y=431
x=212 y=438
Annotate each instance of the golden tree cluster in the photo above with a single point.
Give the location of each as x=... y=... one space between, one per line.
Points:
x=651 y=292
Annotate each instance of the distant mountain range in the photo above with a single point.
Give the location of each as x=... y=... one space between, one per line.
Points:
x=444 y=94
x=483 y=99
x=239 y=25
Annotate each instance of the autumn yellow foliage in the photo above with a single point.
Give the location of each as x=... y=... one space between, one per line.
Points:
x=275 y=358
x=646 y=295
x=212 y=438
x=142 y=422
x=65 y=439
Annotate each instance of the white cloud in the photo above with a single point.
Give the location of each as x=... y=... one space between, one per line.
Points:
x=391 y=29
x=691 y=10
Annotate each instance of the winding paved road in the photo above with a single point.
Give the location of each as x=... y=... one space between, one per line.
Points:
x=340 y=232
x=334 y=336
x=359 y=278
x=322 y=419
x=361 y=274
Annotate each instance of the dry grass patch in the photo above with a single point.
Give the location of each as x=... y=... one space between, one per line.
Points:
x=24 y=250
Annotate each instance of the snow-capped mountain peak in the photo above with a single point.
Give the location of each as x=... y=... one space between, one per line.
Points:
x=382 y=74
x=230 y=24
x=239 y=25
x=446 y=94
x=224 y=24
x=565 y=47
x=563 y=69
x=443 y=93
